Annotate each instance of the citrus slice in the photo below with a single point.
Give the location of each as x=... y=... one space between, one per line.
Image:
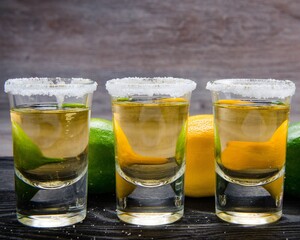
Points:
x=126 y=155
x=275 y=188
x=239 y=155
x=27 y=154
x=123 y=188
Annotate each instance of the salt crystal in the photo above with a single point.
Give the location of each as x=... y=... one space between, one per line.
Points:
x=173 y=87
x=59 y=87
x=254 y=88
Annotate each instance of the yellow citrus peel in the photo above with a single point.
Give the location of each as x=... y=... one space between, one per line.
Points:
x=125 y=153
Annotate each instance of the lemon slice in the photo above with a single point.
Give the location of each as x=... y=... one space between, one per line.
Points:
x=125 y=153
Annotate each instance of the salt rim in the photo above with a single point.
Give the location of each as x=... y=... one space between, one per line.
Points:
x=70 y=87
x=173 y=87
x=254 y=88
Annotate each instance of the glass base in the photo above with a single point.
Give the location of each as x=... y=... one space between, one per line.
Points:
x=150 y=206
x=51 y=221
x=249 y=205
x=249 y=218
x=149 y=219
x=49 y=208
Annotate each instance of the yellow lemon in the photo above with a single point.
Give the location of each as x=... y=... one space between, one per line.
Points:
x=200 y=166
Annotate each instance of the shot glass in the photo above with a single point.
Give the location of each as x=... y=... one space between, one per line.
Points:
x=150 y=121
x=50 y=130
x=251 y=123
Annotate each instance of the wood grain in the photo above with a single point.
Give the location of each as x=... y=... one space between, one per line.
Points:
x=199 y=221
x=104 y=39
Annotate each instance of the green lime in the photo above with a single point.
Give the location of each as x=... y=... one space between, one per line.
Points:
x=27 y=154
x=24 y=191
x=101 y=170
x=73 y=105
x=292 y=172
x=181 y=145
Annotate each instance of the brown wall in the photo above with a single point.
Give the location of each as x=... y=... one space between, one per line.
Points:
x=201 y=40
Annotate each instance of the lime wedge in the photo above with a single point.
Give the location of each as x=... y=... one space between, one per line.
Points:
x=24 y=191
x=27 y=155
x=181 y=145
x=73 y=105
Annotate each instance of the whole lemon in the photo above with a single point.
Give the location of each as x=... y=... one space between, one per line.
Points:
x=101 y=169
x=200 y=166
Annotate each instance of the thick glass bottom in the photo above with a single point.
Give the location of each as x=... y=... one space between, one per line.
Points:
x=48 y=208
x=51 y=221
x=249 y=205
x=149 y=219
x=249 y=218
x=150 y=206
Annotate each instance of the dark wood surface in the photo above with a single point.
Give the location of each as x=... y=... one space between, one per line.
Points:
x=103 y=39
x=199 y=221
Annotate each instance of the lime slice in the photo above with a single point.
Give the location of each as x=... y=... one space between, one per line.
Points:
x=27 y=155
x=181 y=146
x=73 y=105
x=24 y=191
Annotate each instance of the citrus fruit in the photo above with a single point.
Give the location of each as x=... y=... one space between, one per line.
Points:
x=239 y=155
x=123 y=188
x=126 y=155
x=292 y=170
x=27 y=154
x=200 y=166
x=101 y=170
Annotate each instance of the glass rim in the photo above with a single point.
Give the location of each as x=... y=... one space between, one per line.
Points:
x=254 y=88
x=149 y=86
x=51 y=86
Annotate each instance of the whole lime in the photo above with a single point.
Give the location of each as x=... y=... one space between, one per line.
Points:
x=101 y=170
x=292 y=172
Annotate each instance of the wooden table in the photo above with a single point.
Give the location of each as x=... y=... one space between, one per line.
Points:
x=199 y=221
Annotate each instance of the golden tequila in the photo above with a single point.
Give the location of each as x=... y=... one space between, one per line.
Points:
x=61 y=135
x=50 y=156
x=251 y=138
x=150 y=140
x=250 y=152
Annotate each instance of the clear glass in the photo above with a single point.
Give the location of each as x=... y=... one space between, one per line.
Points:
x=251 y=122
x=50 y=129
x=150 y=122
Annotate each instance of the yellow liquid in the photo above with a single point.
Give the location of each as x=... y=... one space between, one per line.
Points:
x=251 y=140
x=60 y=134
x=150 y=140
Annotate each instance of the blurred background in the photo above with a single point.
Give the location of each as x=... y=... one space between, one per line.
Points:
x=103 y=39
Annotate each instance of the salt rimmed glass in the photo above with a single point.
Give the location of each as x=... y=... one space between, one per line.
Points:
x=50 y=128
x=150 y=122
x=250 y=122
